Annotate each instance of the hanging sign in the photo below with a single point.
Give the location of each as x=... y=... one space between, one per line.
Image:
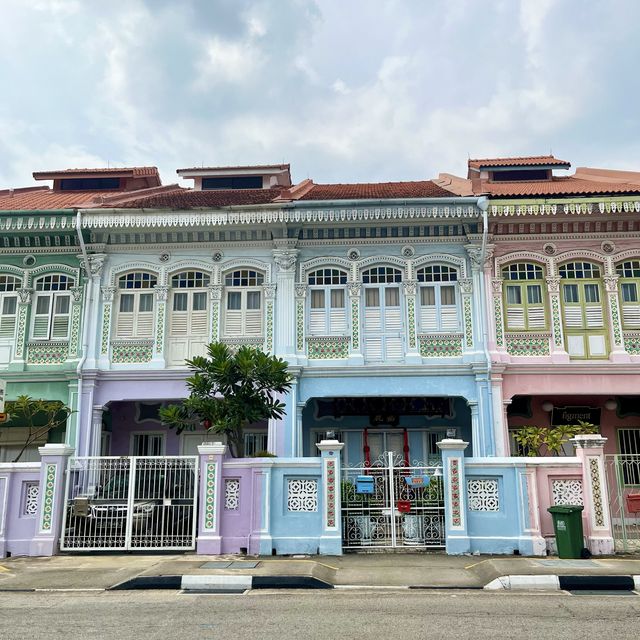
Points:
x=573 y=415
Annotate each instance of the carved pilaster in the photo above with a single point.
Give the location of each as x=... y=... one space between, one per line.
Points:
x=161 y=293
x=410 y=290
x=498 y=311
x=553 y=289
x=215 y=297
x=615 y=320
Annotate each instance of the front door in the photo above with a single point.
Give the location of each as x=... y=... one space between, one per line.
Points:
x=383 y=324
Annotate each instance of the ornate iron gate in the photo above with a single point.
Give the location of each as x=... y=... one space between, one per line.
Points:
x=130 y=503
x=405 y=509
x=623 y=481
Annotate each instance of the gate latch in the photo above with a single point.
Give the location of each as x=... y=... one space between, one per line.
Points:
x=403 y=506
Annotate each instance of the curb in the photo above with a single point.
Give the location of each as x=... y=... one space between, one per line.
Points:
x=565 y=583
x=221 y=583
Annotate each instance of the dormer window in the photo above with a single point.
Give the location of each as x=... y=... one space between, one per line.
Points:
x=232 y=182
x=89 y=184
x=514 y=175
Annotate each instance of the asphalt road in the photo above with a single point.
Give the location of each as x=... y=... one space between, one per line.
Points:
x=311 y=615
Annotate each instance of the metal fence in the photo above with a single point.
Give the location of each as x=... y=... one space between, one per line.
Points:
x=130 y=503
x=404 y=509
x=623 y=481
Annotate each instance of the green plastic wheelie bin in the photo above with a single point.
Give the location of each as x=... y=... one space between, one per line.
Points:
x=567 y=523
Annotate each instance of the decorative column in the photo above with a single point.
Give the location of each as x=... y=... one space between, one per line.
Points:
x=76 y=315
x=532 y=542
x=455 y=496
x=24 y=304
x=215 y=297
x=301 y=294
x=107 y=315
x=92 y=266
x=497 y=312
x=477 y=440
x=285 y=255
x=466 y=291
x=500 y=428
x=270 y=299
x=161 y=293
x=599 y=534
x=618 y=352
x=355 y=351
x=211 y=493
x=413 y=348
x=331 y=537
x=558 y=352
x=51 y=500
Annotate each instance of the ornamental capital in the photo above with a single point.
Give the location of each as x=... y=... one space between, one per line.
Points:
x=269 y=290
x=76 y=292
x=285 y=259
x=162 y=292
x=108 y=293
x=410 y=287
x=25 y=295
x=301 y=290
x=553 y=284
x=466 y=285
x=475 y=254
x=215 y=291
x=496 y=286
x=611 y=283
x=93 y=264
x=354 y=288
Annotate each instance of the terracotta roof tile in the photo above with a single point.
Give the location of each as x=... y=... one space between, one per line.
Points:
x=46 y=199
x=189 y=199
x=376 y=191
x=558 y=187
x=517 y=162
x=282 y=167
x=136 y=172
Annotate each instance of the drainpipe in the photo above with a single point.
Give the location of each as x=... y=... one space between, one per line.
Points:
x=85 y=328
x=483 y=204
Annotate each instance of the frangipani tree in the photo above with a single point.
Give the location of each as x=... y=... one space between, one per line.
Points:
x=229 y=391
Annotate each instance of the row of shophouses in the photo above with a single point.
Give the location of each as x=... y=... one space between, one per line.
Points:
x=423 y=323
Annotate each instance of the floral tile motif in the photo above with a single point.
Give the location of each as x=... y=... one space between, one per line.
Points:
x=106 y=328
x=269 y=327
x=22 y=330
x=497 y=314
x=210 y=496
x=328 y=348
x=355 y=323
x=331 y=493
x=456 y=505
x=468 y=321
x=300 y=325
x=74 y=340
x=411 y=309
x=440 y=346
x=47 y=352
x=615 y=319
x=49 y=491
x=598 y=507
x=132 y=352
x=528 y=345
x=632 y=343
x=557 y=324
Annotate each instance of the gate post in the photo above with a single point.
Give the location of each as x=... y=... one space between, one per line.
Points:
x=455 y=496
x=331 y=536
x=209 y=539
x=51 y=498
x=590 y=450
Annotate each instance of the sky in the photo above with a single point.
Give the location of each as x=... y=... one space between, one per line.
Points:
x=343 y=90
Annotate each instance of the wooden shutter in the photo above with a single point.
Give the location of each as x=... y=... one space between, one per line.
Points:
x=233 y=322
x=515 y=317
x=428 y=318
x=631 y=315
x=317 y=322
x=593 y=316
x=372 y=333
x=449 y=318
x=8 y=320
x=394 y=346
x=338 y=320
x=41 y=320
x=536 y=317
x=573 y=317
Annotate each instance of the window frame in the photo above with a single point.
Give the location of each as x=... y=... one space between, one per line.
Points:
x=243 y=290
x=136 y=292
x=9 y=294
x=53 y=295
x=324 y=273
x=519 y=279
x=625 y=281
x=438 y=283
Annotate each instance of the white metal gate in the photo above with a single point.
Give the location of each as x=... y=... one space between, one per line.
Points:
x=623 y=481
x=130 y=503
x=406 y=508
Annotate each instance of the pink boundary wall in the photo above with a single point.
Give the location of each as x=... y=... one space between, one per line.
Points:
x=17 y=528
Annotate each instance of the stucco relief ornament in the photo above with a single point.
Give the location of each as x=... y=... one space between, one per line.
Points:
x=354 y=288
x=611 y=283
x=285 y=259
x=76 y=292
x=466 y=285
x=25 y=295
x=301 y=290
x=475 y=254
x=93 y=265
x=496 y=285
x=269 y=291
x=162 y=292
x=215 y=291
x=410 y=287
x=108 y=293
x=553 y=284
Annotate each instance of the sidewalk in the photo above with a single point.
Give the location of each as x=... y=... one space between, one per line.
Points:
x=376 y=570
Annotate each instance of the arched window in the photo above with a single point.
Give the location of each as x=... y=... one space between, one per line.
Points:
x=438 y=299
x=9 y=285
x=135 y=305
x=243 y=303
x=52 y=306
x=523 y=297
x=383 y=334
x=189 y=319
x=327 y=302
x=583 y=313
x=628 y=285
